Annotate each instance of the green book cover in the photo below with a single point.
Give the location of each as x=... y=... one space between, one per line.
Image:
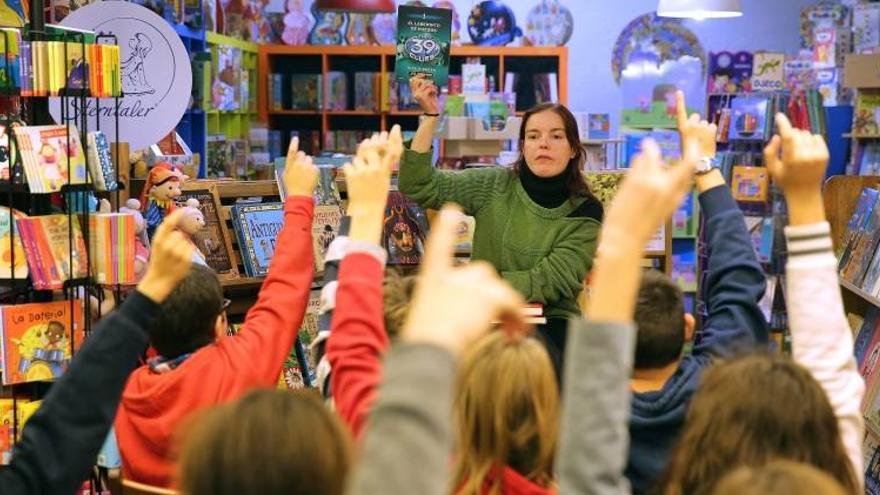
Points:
x=423 y=43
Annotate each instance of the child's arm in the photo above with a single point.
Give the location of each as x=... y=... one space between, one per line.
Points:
x=256 y=354
x=821 y=339
x=594 y=437
x=61 y=441
x=357 y=336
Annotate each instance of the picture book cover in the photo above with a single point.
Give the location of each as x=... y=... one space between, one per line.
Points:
x=100 y=161
x=748 y=118
x=798 y=74
x=46 y=242
x=864 y=207
x=871 y=450
x=404 y=230
x=863 y=250
x=866 y=27
x=366 y=91
x=336 y=91
x=866 y=334
x=761 y=231
x=684 y=220
x=305 y=91
x=867 y=113
x=212 y=239
x=599 y=126
x=37 y=339
x=825 y=48
x=295 y=370
x=730 y=72
x=473 y=78
x=112 y=248
x=12 y=255
x=325 y=227
x=827 y=82
x=871 y=282
x=464 y=240
x=217 y=149
x=48 y=153
x=257 y=227
x=327 y=192
x=308 y=333
x=424 y=39
x=768 y=73
x=226 y=74
x=750 y=184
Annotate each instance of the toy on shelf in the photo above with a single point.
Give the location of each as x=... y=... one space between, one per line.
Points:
x=330 y=27
x=297 y=23
x=157 y=199
x=192 y=222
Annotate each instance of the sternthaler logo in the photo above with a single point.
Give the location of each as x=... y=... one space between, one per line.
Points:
x=155 y=69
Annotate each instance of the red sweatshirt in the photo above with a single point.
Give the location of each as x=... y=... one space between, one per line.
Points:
x=155 y=405
x=513 y=483
x=357 y=339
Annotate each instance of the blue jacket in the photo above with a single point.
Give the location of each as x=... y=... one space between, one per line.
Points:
x=733 y=287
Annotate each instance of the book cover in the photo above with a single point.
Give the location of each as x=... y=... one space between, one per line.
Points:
x=867 y=113
x=12 y=254
x=336 y=91
x=750 y=184
x=761 y=231
x=46 y=241
x=365 y=90
x=863 y=250
x=464 y=235
x=257 y=227
x=768 y=73
x=37 y=339
x=404 y=230
x=866 y=334
x=226 y=78
x=325 y=228
x=295 y=370
x=798 y=74
x=599 y=126
x=308 y=333
x=473 y=78
x=305 y=91
x=212 y=239
x=101 y=162
x=424 y=38
x=871 y=451
x=864 y=207
x=217 y=149
x=49 y=152
x=748 y=118
x=825 y=48
x=866 y=27
x=828 y=84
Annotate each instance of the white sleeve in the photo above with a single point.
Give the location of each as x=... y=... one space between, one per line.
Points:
x=821 y=338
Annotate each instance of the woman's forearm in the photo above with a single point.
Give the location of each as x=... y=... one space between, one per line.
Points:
x=424 y=137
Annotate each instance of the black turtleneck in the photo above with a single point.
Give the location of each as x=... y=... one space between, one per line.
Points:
x=552 y=192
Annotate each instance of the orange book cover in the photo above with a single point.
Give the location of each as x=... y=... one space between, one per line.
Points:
x=750 y=184
x=37 y=339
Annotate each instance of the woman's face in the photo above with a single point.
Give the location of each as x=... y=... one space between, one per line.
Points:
x=546 y=148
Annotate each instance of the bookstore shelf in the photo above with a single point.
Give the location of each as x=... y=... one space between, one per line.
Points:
x=873 y=300
x=861 y=136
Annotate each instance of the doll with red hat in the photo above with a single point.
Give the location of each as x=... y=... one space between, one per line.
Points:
x=157 y=198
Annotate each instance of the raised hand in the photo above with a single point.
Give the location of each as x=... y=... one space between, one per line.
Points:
x=425 y=92
x=300 y=173
x=389 y=146
x=170 y=259
x=694 y=129
x=799 y=171
x=368 y=178
x=452 y=307
x=804 y=158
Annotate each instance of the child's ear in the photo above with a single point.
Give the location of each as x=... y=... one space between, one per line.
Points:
x=690 y=324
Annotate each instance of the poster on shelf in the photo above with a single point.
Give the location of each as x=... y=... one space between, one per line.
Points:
x=424 y=36
x=768 y=73
x=156 y=74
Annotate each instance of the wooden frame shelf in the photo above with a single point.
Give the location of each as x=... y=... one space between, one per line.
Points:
x=323 y=59
x=859 y=292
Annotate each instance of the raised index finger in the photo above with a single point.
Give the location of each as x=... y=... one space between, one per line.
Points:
x=680 y=109
x=293 y=148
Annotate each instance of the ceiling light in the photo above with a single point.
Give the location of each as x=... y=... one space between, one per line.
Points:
x=700 y=9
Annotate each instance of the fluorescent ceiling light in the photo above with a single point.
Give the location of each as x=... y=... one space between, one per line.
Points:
x=700 y=9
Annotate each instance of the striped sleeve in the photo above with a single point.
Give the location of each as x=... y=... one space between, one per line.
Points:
x=821 y=338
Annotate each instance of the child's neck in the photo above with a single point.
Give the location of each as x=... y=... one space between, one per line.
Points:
x=652 y=379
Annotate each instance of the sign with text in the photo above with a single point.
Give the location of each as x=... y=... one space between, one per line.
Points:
x=156 y=74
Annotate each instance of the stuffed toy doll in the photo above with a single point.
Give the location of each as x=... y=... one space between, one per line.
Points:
x=157 y=198
x=141 y=251
x=193 y=221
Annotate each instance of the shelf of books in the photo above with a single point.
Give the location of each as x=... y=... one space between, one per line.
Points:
x=865 y=135
x=57 y=250
x=328 y=95
x=852 y=210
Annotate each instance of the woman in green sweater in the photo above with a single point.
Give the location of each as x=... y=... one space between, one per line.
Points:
x=536 y=223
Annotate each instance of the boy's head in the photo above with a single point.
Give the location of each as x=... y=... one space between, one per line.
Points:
x=189 y=319
x=397 y=292
x=663 y=325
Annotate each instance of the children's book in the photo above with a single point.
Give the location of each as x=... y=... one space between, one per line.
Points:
x=52 y=155
x=546 y=89
x=866 y=27
x=768 y=73
x=464 y=241
x=863 y=250
x=12 y=254
x=308 y=333
x=798 y=74
x=424 y=39
x=218 y=155
x=295 y=373
x=325 y=228
x=473 y=78
x=404 y=230
x=748 y=118
x=37 y=339
x=257 y=227
x=226 y=78
x=750 y=184
x=336 y=91
x=864 y=207
x=101 y=161
x=112 y=248
x=51 y=257
x=827 y=82
x=825 y=48
x=366 y=90
x=871 y=450
x=599 y=126
x=761 y=231
x=866 y=334
x=867 y=117
x=212 y=239
x=305 y=91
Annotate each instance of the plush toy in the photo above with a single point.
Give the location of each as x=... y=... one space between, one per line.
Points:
x=138 y=162
x=157 y=198
x=141 y=251
x=193 y=221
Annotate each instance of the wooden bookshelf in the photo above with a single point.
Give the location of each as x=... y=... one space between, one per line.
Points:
x=323 y=59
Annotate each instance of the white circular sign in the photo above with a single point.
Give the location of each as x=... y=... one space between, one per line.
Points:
x=156 y=74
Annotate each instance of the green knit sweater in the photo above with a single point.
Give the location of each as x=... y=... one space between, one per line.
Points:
x=543 y=253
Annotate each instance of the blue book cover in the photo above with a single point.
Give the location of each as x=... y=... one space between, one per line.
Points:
x=866 y=334
x=748 y=118
x=862 y=211
x=257 y=227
